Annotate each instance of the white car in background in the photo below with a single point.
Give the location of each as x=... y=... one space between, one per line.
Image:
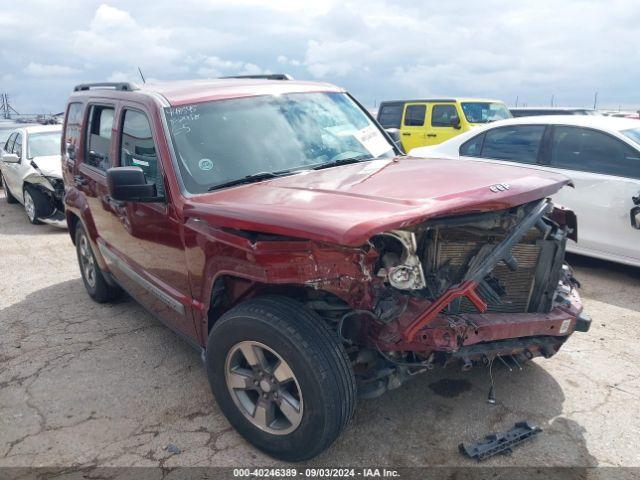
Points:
x=600 y=154
x=31 y=171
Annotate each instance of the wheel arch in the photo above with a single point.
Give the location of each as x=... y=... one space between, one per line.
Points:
x=228 y=291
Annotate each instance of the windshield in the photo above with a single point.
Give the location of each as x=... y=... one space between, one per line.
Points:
x=633 y=134
x=484 y=112
x=43 y=144
x=222 y=141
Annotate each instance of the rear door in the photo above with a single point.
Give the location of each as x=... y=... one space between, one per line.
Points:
x=440 y=125
x=97 y=152
x=413 y=130
x=606 y=173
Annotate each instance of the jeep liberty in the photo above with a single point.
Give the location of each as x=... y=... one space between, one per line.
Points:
x=276 y=227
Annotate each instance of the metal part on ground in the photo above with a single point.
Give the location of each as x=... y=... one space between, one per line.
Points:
x=501 y=442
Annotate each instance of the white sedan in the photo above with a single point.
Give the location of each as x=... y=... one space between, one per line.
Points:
x=31 y=172
x=600 y=154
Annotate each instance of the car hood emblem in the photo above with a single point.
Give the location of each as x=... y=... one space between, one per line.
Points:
x=499 y=187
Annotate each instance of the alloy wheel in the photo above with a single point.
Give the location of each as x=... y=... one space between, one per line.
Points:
x=264 y=388
x=87 y=264
x=29 y=206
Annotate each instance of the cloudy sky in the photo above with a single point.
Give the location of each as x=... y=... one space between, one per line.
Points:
x=375 y=48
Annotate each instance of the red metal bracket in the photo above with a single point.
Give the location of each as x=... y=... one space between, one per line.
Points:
x=465 y=289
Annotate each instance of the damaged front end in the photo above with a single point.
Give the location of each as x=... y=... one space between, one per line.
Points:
x=472 y=289
x=51 y=195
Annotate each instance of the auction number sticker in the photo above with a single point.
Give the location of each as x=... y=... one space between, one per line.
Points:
x=325 y=472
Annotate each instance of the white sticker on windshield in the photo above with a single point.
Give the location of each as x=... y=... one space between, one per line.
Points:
x=371 y=139
x=205 y=164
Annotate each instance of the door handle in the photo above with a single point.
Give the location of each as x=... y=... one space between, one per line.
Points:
x=79 y=180
x=432 y=135
x=406 y=134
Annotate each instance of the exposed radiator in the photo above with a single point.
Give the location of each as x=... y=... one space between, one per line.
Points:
x=456 y=247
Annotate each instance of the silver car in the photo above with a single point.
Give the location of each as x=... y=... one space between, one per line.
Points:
x=32 y=173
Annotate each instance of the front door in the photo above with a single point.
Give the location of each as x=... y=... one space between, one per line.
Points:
x=413 y=129
x=606 y=174
x=142 y=241
x=440 y=126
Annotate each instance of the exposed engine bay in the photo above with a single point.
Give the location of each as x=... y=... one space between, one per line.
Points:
x=472 y=288
x=50 y=195
x=435 y=256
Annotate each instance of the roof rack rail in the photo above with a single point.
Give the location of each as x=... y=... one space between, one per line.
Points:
x=124 y=86
x=269 y=76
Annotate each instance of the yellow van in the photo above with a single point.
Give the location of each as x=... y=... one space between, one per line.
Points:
x=434 y=120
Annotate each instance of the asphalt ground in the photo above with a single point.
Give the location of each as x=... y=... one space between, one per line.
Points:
x=84 y=384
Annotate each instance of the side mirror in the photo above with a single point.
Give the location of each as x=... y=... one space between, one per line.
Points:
x=635 y=217
x=10 y=158
x=128 y=184
x=455 y=122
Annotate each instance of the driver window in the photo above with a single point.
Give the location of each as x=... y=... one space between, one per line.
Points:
x=441 y=115
x=8 y=147
x=137 y=148
x=17 y=147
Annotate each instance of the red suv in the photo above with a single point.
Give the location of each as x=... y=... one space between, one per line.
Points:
x=274 y=225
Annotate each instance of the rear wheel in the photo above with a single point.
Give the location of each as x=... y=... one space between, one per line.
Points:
x=7 y=194
x=281 y=377
x=92 y=277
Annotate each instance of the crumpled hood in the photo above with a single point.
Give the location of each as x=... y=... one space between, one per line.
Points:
x=347 y=205
x=50 y=165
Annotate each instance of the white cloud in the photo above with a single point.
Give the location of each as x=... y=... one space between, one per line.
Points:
x=43 y=70
x=334 y=58
x=378 y=49
x=114 y=35
x=212 y=67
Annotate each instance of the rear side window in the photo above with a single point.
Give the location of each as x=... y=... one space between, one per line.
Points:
x=137 y=148
x=99 y=130
x=441 y=115
x=518 y=143
x=72 y=129
x=390 y=116
x=414 y=115
x=589 y=150
x=472 y=147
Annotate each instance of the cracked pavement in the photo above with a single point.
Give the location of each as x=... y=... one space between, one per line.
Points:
x=83 y=384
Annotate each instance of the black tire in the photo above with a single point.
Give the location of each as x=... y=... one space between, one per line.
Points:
x=96 y=285
x=315 y=356
x=7 y=194
x=42 y=204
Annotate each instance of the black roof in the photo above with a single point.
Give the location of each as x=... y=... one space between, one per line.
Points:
x=419 y=100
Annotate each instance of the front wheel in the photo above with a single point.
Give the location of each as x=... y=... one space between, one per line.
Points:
x=281 y=377
x=30 y=207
